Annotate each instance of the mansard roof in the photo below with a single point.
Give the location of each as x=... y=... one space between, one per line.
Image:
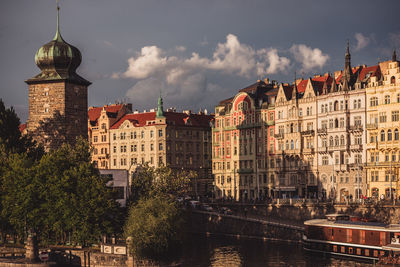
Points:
x=371 y=71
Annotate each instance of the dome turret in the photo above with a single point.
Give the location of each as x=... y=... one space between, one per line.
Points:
x=58 y=60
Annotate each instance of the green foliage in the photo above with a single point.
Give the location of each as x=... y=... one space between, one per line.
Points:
x=62 y=193
x=11 y=140
x=151 y=182
x=155 y=222
x=154 y=226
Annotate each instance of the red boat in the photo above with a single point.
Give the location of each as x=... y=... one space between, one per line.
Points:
x=341 y=235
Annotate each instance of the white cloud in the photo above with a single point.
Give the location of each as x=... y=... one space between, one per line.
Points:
x=183 y=79
x=180 y=48
x=308 y=57
x=362 y=41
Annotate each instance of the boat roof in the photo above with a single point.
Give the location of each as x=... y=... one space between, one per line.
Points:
x=372 y=226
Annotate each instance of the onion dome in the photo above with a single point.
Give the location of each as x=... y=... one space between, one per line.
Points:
x=58 y=60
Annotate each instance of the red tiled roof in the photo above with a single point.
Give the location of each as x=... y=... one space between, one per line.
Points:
x=179 y=119
x=94 y=113
x=374 y=70
x=301 y=86
x=22 y=127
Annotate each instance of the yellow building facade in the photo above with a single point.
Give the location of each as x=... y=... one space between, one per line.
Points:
x=383 y=126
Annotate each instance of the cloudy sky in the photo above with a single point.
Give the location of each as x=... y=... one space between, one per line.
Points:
x=195 y=52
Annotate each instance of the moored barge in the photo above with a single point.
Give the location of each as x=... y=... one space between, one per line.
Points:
x=342 y=235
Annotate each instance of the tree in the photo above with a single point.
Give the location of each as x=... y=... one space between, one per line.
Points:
x=155 y=226
x=62 y=193
x=150 y=182
x=11 y=139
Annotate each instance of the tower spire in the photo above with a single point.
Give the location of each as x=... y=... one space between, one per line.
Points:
x=160 y=111
x=394 y=57
x=58 y=37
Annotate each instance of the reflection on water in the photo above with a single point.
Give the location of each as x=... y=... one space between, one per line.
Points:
x=226 y=256
x=226 y=251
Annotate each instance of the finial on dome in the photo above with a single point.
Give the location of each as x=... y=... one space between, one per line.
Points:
x=58 y=37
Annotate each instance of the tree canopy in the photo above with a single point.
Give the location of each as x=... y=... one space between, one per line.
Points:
x=60 y=194
x=155 y=221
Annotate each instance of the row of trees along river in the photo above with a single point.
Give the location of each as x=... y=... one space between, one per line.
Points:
x=61 y=199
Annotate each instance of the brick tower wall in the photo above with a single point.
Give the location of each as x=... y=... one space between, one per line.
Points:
x=57 y=113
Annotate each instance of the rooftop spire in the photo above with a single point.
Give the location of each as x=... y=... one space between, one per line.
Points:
x=394 y=57
x=160 y=112
x=58 y=37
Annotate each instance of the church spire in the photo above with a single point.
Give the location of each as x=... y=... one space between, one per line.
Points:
x=294 y=91
x=394 y=57
x=160 y=112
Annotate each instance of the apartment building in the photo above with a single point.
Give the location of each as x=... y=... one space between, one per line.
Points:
x=383 y=154
x=178 y=140
x=243 y=143
x=100 y=120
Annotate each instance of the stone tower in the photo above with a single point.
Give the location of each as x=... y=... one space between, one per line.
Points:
x=57 y=95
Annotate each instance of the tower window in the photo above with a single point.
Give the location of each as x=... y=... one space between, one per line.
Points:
x=46 y=110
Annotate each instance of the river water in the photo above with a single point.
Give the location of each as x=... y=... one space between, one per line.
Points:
x=220 y=251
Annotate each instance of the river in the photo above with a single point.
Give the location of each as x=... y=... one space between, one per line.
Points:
x=220 y=251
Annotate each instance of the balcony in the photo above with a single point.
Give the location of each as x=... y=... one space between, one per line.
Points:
x=356 y=147
x=270 y=122
x=279 y=136
x=337 y=148
x=372 y=126
x=308 y=150
x=322 y=131
x=340 y=167
x=245 y=170
x=356 y=166
x=308 y=132
x=323 y=149
x=356 y=128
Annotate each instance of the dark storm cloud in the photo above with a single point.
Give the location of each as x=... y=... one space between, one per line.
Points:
x=311 y=35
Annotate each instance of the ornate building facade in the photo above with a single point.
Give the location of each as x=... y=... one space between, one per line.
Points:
x=383 y=154
x=57 y=95
x=99 y=123
x=243 y=142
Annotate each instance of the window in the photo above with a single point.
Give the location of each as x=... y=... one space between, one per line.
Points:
x=95 y=139
x=382 y=135
x=336 y=140
x=115 y=149
x=382 y=116
x=341 y=122
x=373 y=102
x=396 y=135
x=151 y=134
x=142 y=147
x=142 y=134
x=151 y=147
x=357 y=121
x=160 y=146
x=387 y=99
x=114 y=137
x=325 y=160
x=395 y=115
x=398 y=98
x=160 y=133
x=342 y=140
x=389 y=135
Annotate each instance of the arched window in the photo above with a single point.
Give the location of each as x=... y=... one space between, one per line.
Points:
x=336 y=123
x=398 y=98
x=287 y=144
x=396 y=135
x=336 y=140
x=331 y=141
x=382 y=135
x=342 y=140
x=389 y=135
x=392 y=80
x=291 y=144
x=336 y=106
x=291 y=127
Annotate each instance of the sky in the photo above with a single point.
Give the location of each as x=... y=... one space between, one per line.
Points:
x=194 y=53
